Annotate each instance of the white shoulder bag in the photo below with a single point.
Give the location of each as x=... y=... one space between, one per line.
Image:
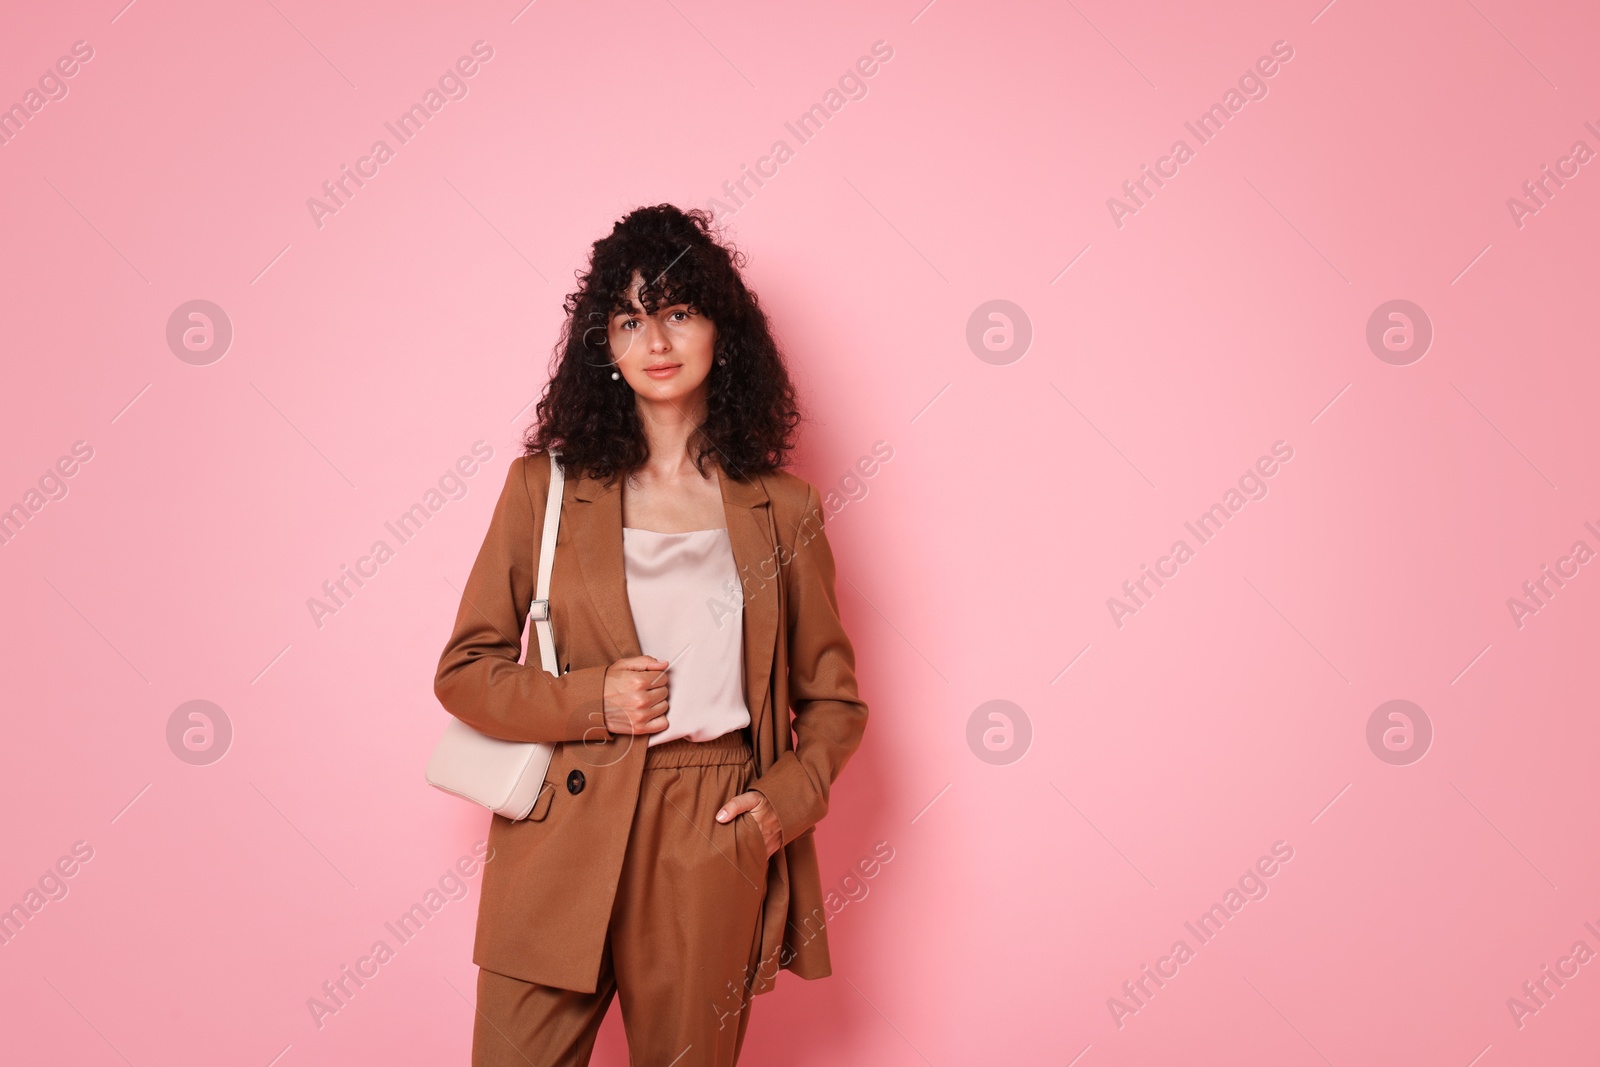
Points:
x=506 y=776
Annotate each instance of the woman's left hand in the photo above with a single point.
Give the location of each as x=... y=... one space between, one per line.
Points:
x=762 y=811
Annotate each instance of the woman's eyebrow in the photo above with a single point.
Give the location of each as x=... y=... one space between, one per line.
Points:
x=628 y=313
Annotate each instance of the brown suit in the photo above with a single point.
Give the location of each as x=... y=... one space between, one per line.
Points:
x=548 y=895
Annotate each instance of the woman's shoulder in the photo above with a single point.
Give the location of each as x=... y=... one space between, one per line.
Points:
x=520 y=469
x=530 y=472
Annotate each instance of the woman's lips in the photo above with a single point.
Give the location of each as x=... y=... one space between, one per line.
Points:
x=664 y=372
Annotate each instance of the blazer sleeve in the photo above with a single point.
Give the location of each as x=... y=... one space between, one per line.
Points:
x=829 y=715
x=479 y=679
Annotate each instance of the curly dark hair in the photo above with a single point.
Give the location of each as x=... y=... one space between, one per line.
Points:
x=591 y=419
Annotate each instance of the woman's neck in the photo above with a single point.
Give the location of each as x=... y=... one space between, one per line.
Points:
x=667 y=426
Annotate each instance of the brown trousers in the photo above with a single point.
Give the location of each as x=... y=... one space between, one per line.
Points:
x=683 y=937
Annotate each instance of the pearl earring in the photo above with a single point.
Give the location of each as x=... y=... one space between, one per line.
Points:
x=723 y=361
x=615 y=375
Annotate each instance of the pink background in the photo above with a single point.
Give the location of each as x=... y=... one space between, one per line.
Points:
x=1166 y=756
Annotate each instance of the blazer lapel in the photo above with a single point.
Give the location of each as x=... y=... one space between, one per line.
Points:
x=596 y=529
x=596 y=520
x=755 y=556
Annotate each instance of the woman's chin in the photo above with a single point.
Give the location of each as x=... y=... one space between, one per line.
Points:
x=673 y=390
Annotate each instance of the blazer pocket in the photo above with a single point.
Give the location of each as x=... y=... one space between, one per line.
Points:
x=541 y=805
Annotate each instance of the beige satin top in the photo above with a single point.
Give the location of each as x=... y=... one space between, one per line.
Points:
x=685 y=594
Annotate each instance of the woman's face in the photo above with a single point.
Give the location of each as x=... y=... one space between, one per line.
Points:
x=666 y=356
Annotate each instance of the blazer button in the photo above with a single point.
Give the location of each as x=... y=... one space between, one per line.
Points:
x=575 y=782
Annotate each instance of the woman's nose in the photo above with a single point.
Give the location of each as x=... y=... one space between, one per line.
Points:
x=656 y=337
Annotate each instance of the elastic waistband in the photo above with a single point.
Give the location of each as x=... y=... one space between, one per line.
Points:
x=730 y=748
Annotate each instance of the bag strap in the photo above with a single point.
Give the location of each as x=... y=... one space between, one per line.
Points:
x=539 y=610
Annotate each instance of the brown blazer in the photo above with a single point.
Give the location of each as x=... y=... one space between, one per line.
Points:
x=547 y=895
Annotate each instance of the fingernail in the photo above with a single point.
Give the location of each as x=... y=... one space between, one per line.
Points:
x=722 y=816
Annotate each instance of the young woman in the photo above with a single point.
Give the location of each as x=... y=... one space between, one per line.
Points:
x=669 y=858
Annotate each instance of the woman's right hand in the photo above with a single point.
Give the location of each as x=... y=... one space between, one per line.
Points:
x=636 y=695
